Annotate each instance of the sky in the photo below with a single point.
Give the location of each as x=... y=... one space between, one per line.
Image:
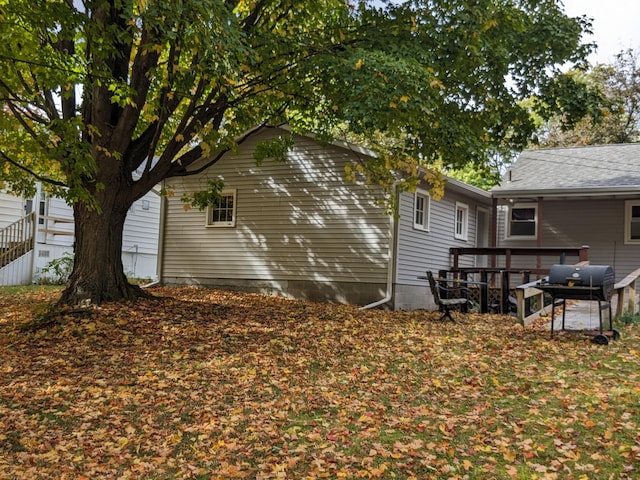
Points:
x=616 y=25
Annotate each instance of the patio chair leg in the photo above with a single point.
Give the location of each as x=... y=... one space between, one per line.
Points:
x=446 y=314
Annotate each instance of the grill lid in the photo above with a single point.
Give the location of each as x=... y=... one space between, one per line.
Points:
x=591 y=282
x=586 y=276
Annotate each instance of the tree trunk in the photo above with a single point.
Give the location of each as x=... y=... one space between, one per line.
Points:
x=98 y=274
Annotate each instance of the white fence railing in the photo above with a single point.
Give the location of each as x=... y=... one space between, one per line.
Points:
x=17 y=239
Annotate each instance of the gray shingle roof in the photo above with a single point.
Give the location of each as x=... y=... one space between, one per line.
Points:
x=577 y=170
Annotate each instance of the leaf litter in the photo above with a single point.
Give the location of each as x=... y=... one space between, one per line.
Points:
x=201 y=383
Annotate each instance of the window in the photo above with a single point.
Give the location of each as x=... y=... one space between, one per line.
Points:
x=421 y=206
x=522 y=221
x=461 y=221
x=632 y=222
x=42 y=208
x=223 y=213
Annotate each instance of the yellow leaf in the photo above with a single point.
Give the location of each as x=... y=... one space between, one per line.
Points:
x=490 y=24
x=206 y=149
x=359 y=64
x=393 y=104
x=365 y=419
x=404 y=98
x=509 y=456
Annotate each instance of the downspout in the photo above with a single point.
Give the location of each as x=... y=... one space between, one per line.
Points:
x=160 y=259
x=391 y=262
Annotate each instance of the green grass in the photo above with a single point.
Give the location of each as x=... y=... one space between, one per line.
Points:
x=28 y=289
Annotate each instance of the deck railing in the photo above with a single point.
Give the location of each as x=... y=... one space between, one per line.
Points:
x=504 y=274
x=627 y=294
x=501 y=257
x=17 y=239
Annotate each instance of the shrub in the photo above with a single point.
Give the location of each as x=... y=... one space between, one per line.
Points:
x=59 y=269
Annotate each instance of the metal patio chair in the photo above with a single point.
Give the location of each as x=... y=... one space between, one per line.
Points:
x=449 y=303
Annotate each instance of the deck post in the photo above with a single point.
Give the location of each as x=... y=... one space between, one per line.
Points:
x=584 y=253
x=484 y=292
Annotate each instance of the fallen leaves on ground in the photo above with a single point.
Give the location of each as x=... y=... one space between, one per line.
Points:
x=211 y=384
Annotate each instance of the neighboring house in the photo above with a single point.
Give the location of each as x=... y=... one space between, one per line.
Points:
x=52 y=221
x=571 y=197
x=299 y=229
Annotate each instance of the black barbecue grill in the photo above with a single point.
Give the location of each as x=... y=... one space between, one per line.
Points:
x=589 y=282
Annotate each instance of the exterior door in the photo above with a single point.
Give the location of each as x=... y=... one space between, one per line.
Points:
x=482 y=235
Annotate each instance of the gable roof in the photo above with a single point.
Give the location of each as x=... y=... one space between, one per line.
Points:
x=584 y=171
x=456 y=185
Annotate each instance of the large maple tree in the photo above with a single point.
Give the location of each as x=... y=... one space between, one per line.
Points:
x=95 y=90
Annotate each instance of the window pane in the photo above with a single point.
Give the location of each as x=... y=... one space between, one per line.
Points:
x=635 y=230
x=523 y=228
x=523 y=214
x=459 y=220
x=419 y=212
x=635 y=211
x=223 y=211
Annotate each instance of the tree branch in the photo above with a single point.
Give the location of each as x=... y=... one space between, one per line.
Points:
x=140 y=83
x=180 y=167
x=40 y=178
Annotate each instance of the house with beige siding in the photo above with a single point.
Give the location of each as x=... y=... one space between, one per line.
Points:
x=564 y=197
x=299 y=229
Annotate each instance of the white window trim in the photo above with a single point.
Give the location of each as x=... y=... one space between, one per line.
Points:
x=425 y=227
x=627 y=222
x=464 y=234
x=210 y=224
x=507 y=232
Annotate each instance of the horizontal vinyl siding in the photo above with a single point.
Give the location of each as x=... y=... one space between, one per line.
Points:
x=419 y=250
x=141 y=226
x=297 y=220
x=11 y=209
x=573 y=223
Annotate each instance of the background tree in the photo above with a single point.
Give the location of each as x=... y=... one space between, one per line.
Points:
x=95 y=90
x=484 y=176
x=614 y=107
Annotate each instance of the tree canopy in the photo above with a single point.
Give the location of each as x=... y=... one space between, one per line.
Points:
x=611 y=103
x=104 y=99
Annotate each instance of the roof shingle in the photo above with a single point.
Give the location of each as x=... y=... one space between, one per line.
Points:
x=573 y=170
